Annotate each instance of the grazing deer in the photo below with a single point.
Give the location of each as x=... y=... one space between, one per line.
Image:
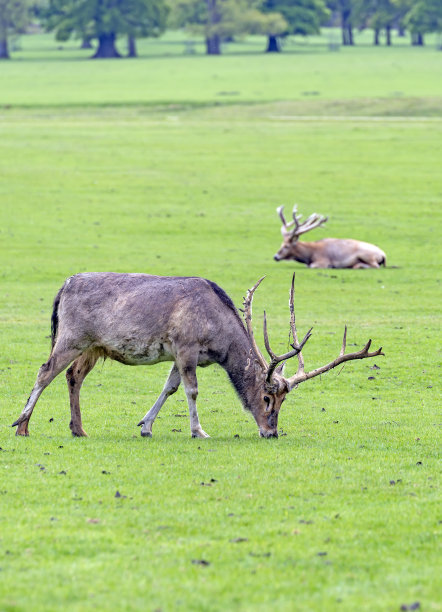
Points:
x=325 y=253
x=138 y=319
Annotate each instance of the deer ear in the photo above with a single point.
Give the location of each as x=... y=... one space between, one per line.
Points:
x=284 y=232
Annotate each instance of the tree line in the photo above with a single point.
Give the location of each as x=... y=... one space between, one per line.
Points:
x=103 y=21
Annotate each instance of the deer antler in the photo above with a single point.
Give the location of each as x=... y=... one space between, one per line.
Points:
x=297 y=348
x=274 y=359
x=301 y=375
x=248 y=320
x=313 y=221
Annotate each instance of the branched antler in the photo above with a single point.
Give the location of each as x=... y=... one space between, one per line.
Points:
x=274 y=359
x=247 y=303
x=301 y=375
x=294 y=228
x=297 y=348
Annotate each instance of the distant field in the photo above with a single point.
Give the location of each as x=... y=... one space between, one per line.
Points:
x=175 y=165
x=43 y=75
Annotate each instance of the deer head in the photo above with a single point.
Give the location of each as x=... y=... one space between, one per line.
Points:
x=293 y=229
x=271 y=386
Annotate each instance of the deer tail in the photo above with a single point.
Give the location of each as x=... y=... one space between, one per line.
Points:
x=54 y=316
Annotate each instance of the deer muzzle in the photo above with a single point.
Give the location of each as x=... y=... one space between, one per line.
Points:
x=268 y=433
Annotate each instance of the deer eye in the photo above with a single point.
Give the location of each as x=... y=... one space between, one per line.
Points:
x=267 y=399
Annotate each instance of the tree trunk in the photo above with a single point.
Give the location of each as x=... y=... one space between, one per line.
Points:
x=213 y=45
x=131 y=46
x=346 y=27
x=86 y=43
x=213 y=41
x=106 y=46
x=273 y=45
x=4 y=51
x=417 y=39
x=376 y=37
x=388 y=36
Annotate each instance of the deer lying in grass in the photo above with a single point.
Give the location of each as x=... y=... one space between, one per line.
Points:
x=325 y=253
x=138 y=319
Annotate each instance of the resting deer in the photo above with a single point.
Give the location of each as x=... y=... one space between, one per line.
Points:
x=325 y=253
x=139 y=319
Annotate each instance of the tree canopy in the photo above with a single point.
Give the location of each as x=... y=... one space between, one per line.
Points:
x=14 y=16
x=218 y=20
x=424 y=16
x=301 y=16
x=104 y=20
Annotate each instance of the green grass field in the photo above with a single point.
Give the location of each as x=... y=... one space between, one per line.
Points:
x=174 y=164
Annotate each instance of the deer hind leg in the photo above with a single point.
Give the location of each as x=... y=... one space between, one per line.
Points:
x=57 y=362
x=188 y=376
x=170 y=387
x=75 y=376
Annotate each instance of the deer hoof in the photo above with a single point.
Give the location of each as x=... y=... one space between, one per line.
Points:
x=22 y=429
x=22 y=433
x=199 y=433
x=146 y=429
x=79 y=434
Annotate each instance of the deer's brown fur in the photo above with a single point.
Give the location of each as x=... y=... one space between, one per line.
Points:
x=139 y=319
x=325 y=253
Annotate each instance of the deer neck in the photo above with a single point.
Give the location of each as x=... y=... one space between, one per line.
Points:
x=244 y=372
x=303 y=251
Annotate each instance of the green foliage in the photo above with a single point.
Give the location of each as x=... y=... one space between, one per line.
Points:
x=424 y=16
x=94 y=18
x=108 y=170
x=14 y=16
x=233 y=18
x=303 y=16
x=378 y=14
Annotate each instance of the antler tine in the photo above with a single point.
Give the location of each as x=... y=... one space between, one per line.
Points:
x=297 y=348
x=280 y=212
x=344 y=342
x=248 y=320
x=286 y=228
x=313 y=221
x=296 y=217
x=293 y=328
x=301 y=375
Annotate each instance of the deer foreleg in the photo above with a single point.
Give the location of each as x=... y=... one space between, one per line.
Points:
x=171 y=386
x=362 y=265
x=320 y=263
x=56 y=363
x=188 y=376
x=75 y=377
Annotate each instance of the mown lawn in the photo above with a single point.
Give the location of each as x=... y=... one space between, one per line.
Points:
x=103 y=167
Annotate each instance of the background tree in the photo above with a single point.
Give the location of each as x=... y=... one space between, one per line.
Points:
x=273 y=26
x=302 y=17
x=219 y=20
x=424 y=16
x=345 y=9
x=384 y=16
x=402 y=8
x=14 y=16
x=105 y=20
